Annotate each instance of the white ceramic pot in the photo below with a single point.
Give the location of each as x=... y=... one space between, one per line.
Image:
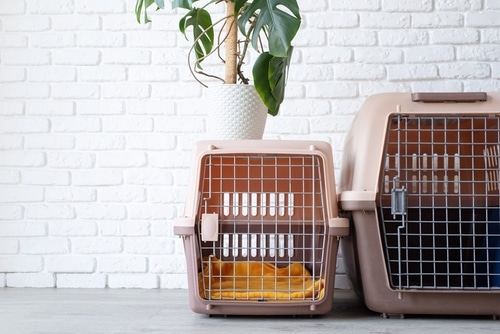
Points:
x=236 y=112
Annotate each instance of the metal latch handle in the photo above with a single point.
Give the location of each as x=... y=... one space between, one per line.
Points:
x=399 y=201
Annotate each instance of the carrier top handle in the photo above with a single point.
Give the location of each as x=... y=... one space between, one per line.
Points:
x=457 y=97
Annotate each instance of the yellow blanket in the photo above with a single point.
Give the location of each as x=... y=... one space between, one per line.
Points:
x=257 y=280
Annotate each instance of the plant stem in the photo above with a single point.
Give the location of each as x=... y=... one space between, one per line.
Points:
x=231 y=44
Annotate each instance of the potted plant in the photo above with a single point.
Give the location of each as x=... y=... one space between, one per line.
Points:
x=268 y=26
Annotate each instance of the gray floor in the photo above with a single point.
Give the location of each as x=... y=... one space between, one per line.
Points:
x=166 y=311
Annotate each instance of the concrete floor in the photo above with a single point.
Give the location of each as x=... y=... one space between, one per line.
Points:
x=107 y=311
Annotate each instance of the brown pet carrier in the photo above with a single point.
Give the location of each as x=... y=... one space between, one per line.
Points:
x=420 y=178
x=261 y=228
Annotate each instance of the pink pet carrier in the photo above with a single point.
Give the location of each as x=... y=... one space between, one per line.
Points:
x=420 y=178
x=261 y=228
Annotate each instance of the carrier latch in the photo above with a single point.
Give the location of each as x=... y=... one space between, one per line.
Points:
x=209 y=227
x=399 y=201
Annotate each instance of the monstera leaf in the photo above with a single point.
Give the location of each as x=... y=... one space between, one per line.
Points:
x=279 y=20
x=270 y=74
x=186 y=4
x=198 y=19
x=200 y=22
x=141 y=7
x=202 y=32
x=140 y=10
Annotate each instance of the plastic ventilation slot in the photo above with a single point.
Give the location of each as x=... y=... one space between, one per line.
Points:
x=491 y=162
x=258 y=245
x=255 y=204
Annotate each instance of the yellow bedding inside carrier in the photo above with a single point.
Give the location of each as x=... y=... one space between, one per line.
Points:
x=257 y=281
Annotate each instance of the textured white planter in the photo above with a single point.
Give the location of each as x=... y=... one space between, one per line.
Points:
x=236 y=112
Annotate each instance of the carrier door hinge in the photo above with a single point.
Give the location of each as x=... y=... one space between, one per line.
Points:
x=184 y=226
x=339 y=226
x=399 y=201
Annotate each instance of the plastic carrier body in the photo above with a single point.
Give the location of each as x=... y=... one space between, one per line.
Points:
x=261 y=228
x=420 y=180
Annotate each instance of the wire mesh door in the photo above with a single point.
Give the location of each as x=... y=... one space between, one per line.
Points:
x=270 y=240
x=439 y=202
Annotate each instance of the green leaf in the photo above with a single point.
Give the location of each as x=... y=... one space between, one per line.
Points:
x=270 y=76
x=278 y=75
x=186 y=4
x=160 y=3
x=199 y=20
x=141 y=7
x=279 y=18
x=261 y=82
x=238 y=4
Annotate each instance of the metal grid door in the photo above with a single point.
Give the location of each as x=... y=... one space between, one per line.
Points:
x=270 y=242
x=439 y=202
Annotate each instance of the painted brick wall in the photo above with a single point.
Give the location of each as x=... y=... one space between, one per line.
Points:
x=98 y=115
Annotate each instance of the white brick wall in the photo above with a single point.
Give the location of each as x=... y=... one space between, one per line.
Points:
x=98 y=115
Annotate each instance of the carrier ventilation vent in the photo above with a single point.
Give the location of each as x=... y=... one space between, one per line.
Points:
x=255 y=204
